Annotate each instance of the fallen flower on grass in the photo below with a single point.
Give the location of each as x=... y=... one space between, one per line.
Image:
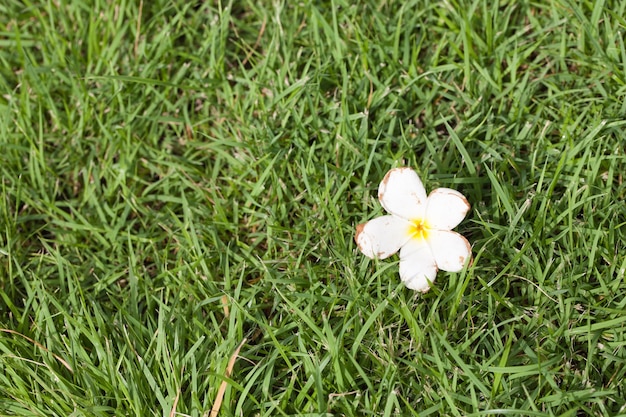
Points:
x=418 y=226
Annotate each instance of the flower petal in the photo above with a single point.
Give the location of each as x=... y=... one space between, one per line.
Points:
x=449 y=249
x=402 y=193
x=382 y=237
x=445 y=208
x=417 y=265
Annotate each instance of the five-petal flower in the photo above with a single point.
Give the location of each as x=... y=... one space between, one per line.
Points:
x=418 y=226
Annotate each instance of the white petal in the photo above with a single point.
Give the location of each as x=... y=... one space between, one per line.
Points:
x=450 y=250
x=417 y=265
x=402 y=193
x=382 y=237
x=445 y=209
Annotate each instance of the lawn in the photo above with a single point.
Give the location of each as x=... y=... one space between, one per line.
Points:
x=181 y=182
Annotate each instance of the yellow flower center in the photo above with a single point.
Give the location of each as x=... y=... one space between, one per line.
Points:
x=419 y=229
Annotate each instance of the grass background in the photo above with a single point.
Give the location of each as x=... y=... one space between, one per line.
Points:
x=179 y=177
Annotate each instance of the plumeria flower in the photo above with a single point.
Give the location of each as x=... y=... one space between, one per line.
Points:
x=418 y=226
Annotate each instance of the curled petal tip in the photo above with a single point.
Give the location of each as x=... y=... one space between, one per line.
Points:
x=359 y=230
x=422 y=286
x=451 y=250
x=381 y=237
x=402 y=193
x=446 y=208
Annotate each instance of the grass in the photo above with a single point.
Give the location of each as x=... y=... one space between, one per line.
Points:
x=179 y=178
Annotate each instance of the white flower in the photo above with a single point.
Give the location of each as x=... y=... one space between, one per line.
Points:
x=420 y=227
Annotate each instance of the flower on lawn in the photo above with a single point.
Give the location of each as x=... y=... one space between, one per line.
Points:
x=418 y=226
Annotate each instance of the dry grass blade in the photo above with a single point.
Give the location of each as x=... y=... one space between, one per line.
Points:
x=40 y=346
x=220 y=393
x=173 y=412
x=225 y=305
